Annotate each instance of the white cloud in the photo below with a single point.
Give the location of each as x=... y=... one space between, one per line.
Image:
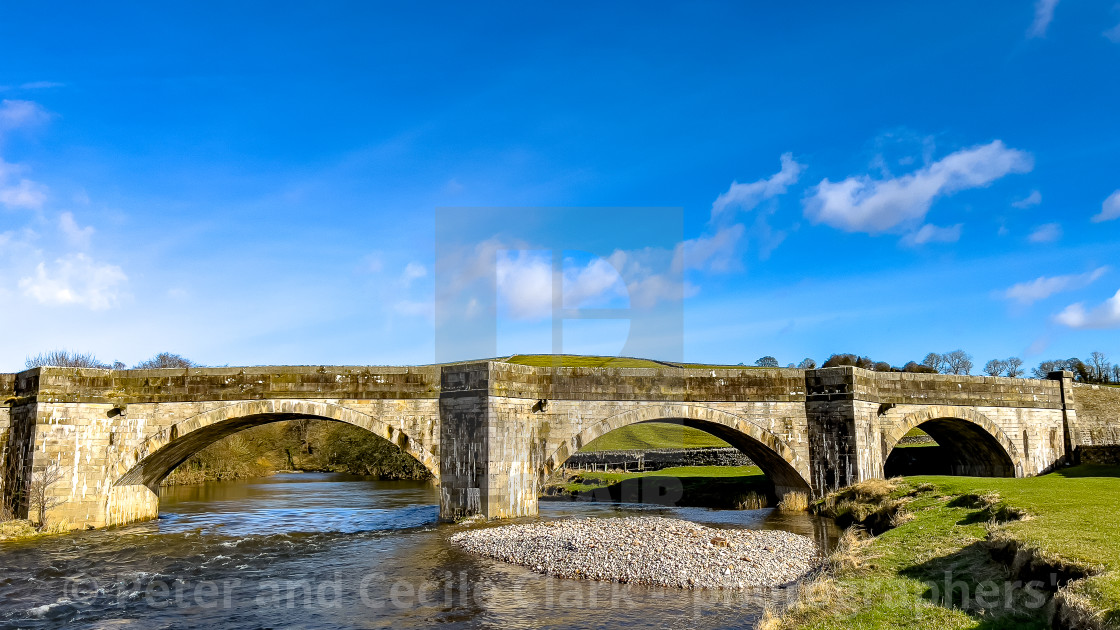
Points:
x=15 y=114
x=415 y=308
x=77 y=236
x=747 y=196
x=1046 y=233
x=1106 y=315
x=1110 y=209
x=40 y=85
x=930 y=233
x=524 y=282
x=413 y=271
x=22 y=194
x=1113 y=34
x=714 y=253
x=1044 y=286
x=1043 y=14
x=1032 y=199
x=76 y=279
x=863 y=204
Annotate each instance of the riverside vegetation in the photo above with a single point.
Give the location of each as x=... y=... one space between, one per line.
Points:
x=963 y=552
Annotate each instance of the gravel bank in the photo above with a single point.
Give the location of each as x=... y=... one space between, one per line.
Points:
x=648 y=550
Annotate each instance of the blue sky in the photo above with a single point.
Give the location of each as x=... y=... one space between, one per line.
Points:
x=257 y=183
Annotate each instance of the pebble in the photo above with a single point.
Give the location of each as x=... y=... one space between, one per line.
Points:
x=648 y=550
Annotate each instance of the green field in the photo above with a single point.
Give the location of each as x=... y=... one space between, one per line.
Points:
x=570 y=360
x=649 y=436
x=949 y=527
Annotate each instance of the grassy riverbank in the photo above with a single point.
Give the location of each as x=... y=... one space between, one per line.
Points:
x=725 y=487
x=983 y=540
x=21 y=529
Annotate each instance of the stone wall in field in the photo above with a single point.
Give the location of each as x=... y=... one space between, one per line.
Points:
x=657 y=459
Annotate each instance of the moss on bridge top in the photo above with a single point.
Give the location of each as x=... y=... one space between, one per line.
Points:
x=592 y=361
x=583 y=378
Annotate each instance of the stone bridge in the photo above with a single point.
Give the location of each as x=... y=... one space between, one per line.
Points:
x=492 y=432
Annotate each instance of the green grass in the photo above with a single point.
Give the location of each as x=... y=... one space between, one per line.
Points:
x=568 y=360
x=1073 y=517
x=648 y=436
x=601 y=479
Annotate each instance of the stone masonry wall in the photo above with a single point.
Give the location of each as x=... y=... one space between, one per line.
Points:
x=7 y=396
x=658 y=459
x=493 y=431
x=1098 y=414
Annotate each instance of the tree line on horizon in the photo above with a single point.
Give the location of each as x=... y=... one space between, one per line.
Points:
x=1097 y=369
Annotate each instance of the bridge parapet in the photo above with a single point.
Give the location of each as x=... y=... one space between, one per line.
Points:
x=666 y=384
x=90 y=385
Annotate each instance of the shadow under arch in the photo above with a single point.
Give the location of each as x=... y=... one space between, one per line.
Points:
x=788 y=471
x=968 y=444
x=162 y=452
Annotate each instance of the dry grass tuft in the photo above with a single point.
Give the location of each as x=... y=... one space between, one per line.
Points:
x=794 y=502
x=751 y=501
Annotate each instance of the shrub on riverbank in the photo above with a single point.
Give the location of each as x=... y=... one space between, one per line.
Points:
x=964 y=537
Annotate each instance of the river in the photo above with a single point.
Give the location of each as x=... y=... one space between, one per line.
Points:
x=333 y=551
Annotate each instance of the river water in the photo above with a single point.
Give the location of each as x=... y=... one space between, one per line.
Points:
x=332 y=551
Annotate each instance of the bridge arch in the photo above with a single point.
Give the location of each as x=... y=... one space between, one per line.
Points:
x=160 y=453
x=788 y=471
x=971 y=443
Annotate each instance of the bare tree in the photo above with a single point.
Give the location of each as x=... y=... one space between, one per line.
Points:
x=995 y=367
x=1014 y=367
x=40 y=500
x=934 y=361
x=807 y=364
x=958 y=362
x=64 y=358
x=165 y=360
x=1116 y=373
x=1100 y=367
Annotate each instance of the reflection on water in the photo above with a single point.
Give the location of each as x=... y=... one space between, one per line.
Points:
x=293 y=550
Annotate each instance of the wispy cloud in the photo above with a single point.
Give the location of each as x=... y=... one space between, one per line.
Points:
x=21 y=193
x=77 y=280
x=930 y=233
x=1043 y=287
x=864 y=204
x=41 y=85
x=1110 y=209
x=1046 y=233
x=15 y=114
x=747 y=196
x=412 y=271
x=1113 y=34
x=1030 y=200
x=73 y=233
x=1103 y=316
x=1043 y=15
